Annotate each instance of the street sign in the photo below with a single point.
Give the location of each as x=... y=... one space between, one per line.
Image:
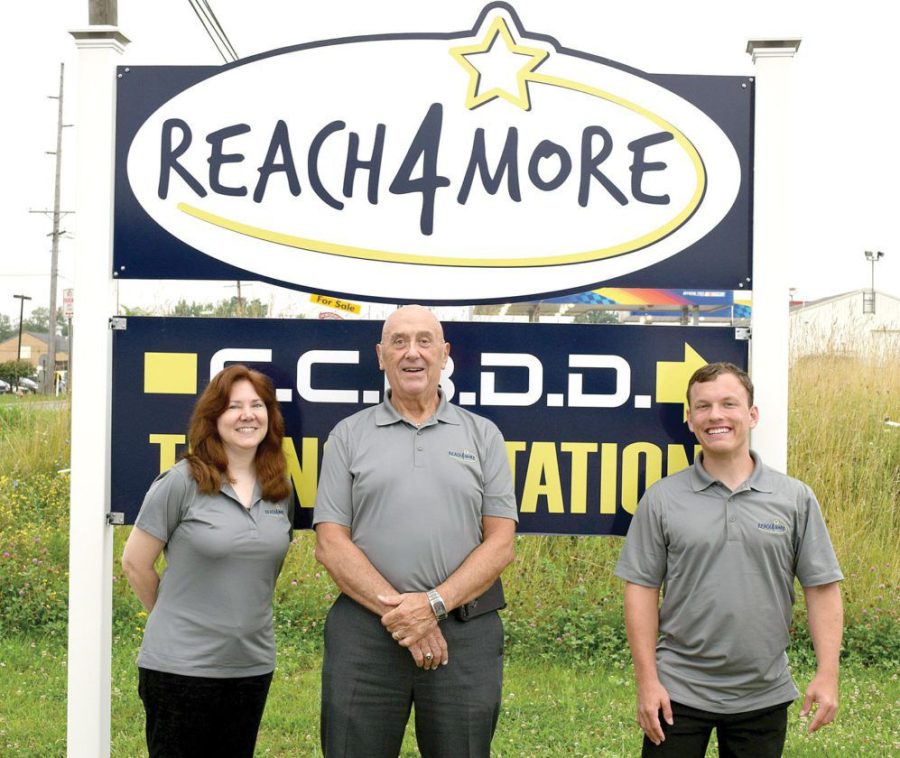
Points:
x=68 y=302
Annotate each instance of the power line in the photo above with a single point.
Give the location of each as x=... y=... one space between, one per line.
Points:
x=214 y=29
x=220 y=30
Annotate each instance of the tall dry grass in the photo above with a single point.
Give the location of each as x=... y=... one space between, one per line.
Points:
x=34 y=437
x=841 y=445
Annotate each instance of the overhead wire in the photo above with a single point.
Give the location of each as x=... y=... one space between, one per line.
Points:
x=214 y=30
x=220 y=30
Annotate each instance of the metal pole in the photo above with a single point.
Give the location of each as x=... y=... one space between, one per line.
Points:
x=22 y=299
x=71 y=358
x=873 y=258
x=50 y=376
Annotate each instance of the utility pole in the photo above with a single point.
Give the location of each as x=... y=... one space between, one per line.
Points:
x=103 y=12
x=239 y=298
x=22 y=299
x=49 y=378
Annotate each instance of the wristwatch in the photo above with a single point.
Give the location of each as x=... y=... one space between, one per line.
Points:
x=437 y=604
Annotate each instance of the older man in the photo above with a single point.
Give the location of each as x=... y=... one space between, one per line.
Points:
x=726 y=538
x=415 y=517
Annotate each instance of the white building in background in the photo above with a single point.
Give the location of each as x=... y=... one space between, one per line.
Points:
x=840 y=324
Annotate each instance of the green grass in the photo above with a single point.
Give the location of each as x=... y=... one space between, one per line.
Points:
x=32 y=697
x=34 y=436
x=840 y=446
x=548 y=710
x=568 y=685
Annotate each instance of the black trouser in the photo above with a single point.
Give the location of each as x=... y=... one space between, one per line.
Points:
x=369 y=683
x=196 y=717
x=752 y=734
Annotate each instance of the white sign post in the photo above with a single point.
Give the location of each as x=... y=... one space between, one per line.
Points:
x=772 y=244
x=90 y=537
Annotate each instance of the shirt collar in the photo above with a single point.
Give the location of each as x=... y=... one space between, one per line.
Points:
x=386 y=414
x=700 y=479
x=226 y=489
x=760 y=480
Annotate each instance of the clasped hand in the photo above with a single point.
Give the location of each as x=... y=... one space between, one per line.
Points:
x=412 y=624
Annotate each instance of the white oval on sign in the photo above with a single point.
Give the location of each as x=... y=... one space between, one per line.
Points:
x=479 y=167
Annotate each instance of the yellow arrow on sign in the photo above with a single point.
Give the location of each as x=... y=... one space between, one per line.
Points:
x=672 y=377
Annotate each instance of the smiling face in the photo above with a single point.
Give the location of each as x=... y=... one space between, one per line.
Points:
x=412 y=353
x=245 y=421
x=721 y=417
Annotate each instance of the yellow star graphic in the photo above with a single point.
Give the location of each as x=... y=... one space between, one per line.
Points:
x=499 y=30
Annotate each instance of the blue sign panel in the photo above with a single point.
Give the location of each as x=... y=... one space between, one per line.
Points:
x=404 y=168
x=591 y=414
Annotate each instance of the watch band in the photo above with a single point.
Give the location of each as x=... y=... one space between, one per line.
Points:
x=437 y=604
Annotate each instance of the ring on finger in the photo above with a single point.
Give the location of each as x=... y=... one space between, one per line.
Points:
x=428 y=656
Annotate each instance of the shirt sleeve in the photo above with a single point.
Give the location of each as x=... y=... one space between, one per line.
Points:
x=499 y=495
x=164 y=504
x=334 y=494
x=815 y=561
x=644 y=555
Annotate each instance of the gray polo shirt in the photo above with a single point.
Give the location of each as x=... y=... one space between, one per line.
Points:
x=213 y=611
x=413 y=499
x=726 y=562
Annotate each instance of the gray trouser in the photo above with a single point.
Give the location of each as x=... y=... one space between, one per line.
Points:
x=369 y=683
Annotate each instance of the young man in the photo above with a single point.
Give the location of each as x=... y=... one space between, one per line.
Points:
x=725 y=539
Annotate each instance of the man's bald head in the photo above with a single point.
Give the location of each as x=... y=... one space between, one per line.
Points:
x=406 y=312
x=412 y=353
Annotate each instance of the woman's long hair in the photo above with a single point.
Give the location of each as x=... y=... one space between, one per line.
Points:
x=207 y=457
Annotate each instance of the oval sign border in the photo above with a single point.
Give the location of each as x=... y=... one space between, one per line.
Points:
x=588 y=279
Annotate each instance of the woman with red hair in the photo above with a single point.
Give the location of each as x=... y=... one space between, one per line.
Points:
x=223 y=517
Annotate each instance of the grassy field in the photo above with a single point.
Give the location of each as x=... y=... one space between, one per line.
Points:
x=548 y=709
x=841 y=446
x=568 y=684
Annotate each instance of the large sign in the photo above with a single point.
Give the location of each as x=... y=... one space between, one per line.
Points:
x=591 y=414
x=492 y=164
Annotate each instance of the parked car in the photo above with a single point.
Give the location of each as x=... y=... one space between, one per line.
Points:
x=27 y=385
x=4 y=387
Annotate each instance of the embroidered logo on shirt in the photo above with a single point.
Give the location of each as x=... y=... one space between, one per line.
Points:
x=273 y=512
x=775 y=526
x=464 y=455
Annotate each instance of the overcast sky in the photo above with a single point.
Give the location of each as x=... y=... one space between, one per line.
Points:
x=845 y=164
